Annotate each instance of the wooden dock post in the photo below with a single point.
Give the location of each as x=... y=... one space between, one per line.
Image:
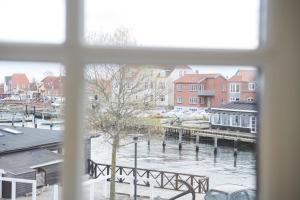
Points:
x=180 y=140
x=215 y=145
x=164 y=142
x=235 y=147
x=149 y=133
x=13 y=120
x=197 y=143
x=51 y=125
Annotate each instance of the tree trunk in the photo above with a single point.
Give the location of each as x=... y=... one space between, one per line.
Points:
x=113 y=168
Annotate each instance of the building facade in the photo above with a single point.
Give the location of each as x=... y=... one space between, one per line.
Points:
x=242 y=86
x=237 y=115
x=17 y=83
x=52 y=86
x=199 y=91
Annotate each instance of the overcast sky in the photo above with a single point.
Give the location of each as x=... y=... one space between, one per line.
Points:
x=168 y=23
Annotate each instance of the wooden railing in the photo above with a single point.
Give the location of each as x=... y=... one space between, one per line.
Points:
x=162 y=179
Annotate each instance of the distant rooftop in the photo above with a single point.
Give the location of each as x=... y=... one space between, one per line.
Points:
x=29 y=138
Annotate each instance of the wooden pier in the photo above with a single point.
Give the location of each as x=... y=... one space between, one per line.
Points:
x=211 y=133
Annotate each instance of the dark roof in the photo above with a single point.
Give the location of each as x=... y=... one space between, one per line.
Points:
x=238 y=106
x=29 y=138
x=27 y=161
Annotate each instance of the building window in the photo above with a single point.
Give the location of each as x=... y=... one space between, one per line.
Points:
x=201 y=100
x=162 y=73
x=146 y=85
x=180 y=73
x=193 y=100
x=179 y=87
x=234 y=99
x=234 y=87
x=162 y=98
x=236 y=121
x=251 y=86
x=216 y=118
x=161 y=85
x=179 y=100
x=194 y=87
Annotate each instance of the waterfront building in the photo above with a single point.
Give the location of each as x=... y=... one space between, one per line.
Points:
x=17 y=83
x=237 y=115
x=52 y=86
x=242 y=86
x=29 y=153
x=199 y=91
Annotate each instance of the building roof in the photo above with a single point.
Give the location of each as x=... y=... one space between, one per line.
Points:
x=27 y=138
x=237 y=106
x=195 y=78
x=19 y=78
x=27 y=161
x=244 y=76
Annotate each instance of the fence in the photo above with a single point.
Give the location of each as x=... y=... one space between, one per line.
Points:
x=162 y=179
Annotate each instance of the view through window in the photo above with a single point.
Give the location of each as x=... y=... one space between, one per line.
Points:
x=150 y=131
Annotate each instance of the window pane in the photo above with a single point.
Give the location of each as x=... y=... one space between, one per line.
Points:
x=32 y=21
x=31 y=128
x=120 y=108
x=229 y=24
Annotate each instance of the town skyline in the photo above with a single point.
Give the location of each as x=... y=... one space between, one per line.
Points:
x=38 y=71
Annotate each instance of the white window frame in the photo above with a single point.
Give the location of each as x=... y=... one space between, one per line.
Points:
x=234 y=87
x=251 y=86
x=179 y=87
x=179 y=99
x=193 y=100
x=276 y=55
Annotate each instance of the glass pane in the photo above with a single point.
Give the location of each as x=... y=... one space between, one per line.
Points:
x=32 y=21
x=160 y=118
x=229 y=24
x=31 y=129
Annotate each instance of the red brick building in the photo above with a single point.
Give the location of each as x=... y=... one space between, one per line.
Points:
x=242 y=86
x=194 y=91
x=52 y=86
x=18 y=83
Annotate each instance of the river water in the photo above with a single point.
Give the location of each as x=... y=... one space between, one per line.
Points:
x=220 y=169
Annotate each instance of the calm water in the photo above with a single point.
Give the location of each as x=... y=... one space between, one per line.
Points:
x=219 y=169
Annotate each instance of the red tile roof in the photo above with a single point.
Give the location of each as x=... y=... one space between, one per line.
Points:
x=19 y=78
x=195 y=78
x=244 y=76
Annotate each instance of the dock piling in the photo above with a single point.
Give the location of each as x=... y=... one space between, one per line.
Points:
x=215 y=145
x=197 y=143
x=164 y=142
x=180 y=140
x=235 y=147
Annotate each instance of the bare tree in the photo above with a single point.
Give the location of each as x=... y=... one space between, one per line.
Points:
x=118 y=95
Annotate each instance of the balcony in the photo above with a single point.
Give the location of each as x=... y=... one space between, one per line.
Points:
x=207 y=93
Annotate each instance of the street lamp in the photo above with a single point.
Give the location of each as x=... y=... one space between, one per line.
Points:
x=135 y=139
